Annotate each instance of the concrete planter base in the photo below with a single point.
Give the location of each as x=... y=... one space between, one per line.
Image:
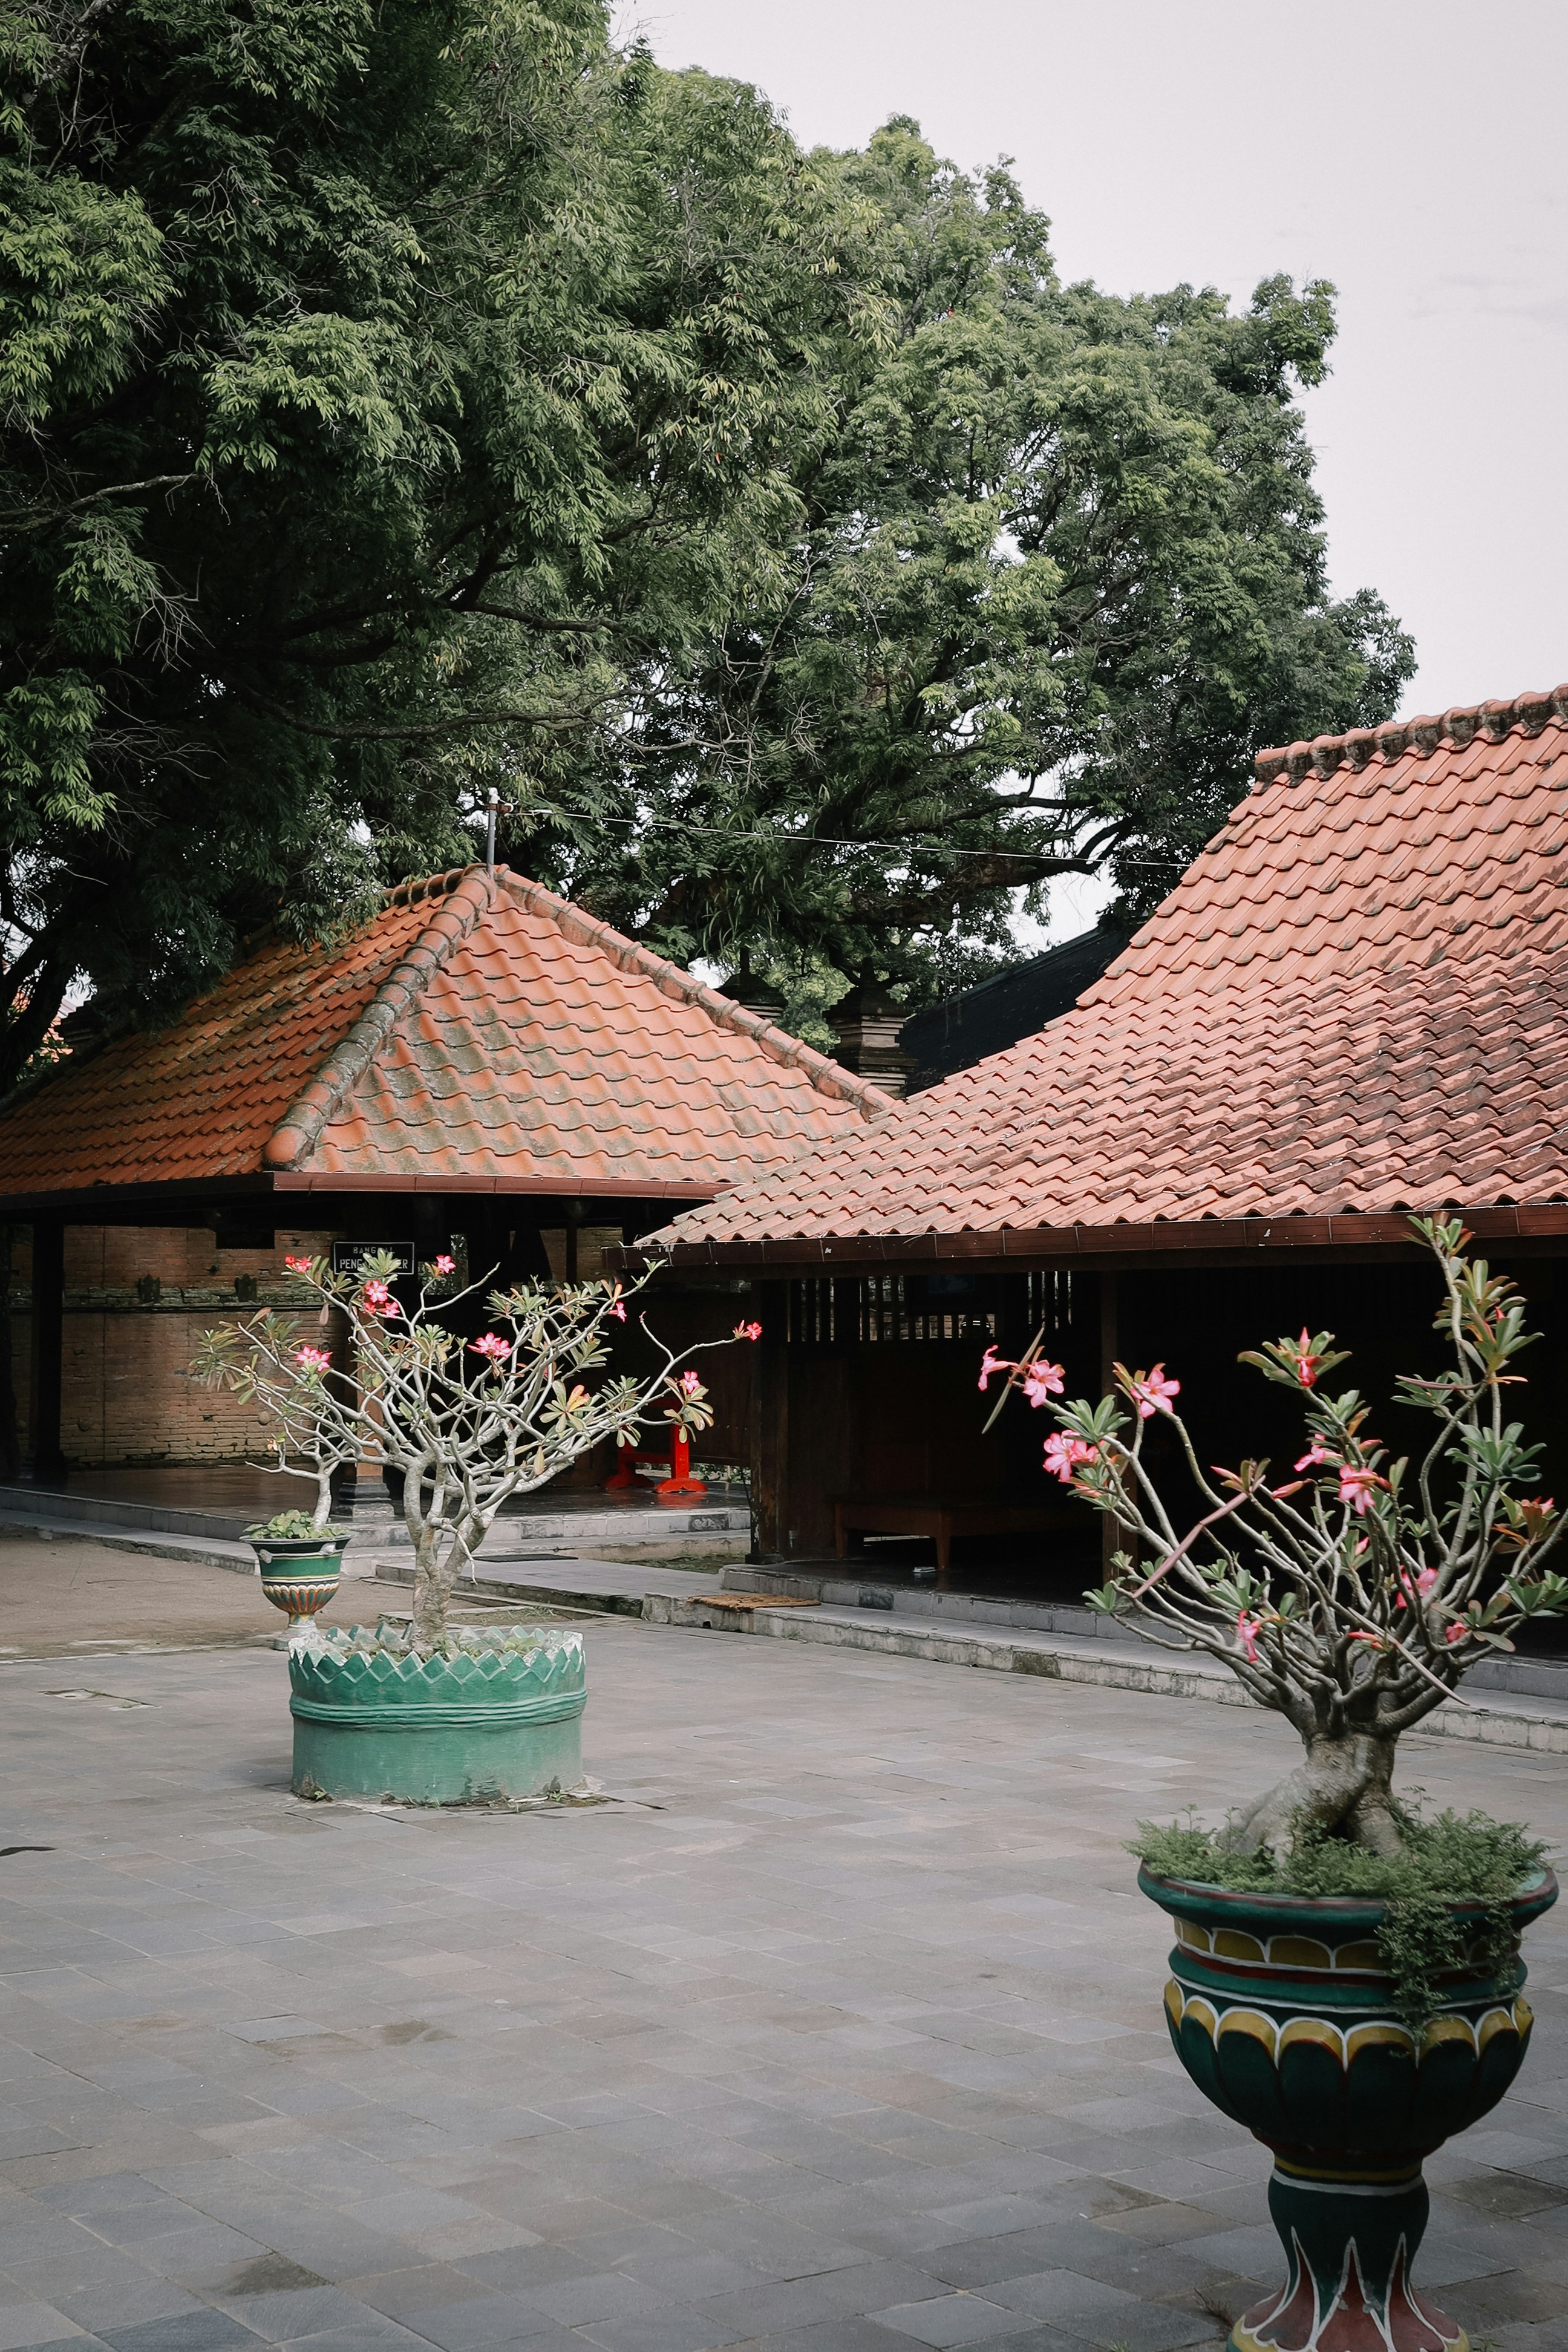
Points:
x=489 y=1722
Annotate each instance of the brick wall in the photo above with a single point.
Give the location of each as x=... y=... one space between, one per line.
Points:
x=126 y=1395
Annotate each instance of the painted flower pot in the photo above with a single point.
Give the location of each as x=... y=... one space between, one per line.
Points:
x=300 y=1573
x=499 y=1717
x=1282 y=2013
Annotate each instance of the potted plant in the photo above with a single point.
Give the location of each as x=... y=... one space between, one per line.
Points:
x=300 y=1562
x=1346 y=1978
x=424 y=1714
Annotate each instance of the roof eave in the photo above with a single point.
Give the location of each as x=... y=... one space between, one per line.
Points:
x=1211 y=1240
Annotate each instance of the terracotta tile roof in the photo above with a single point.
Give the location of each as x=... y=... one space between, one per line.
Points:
x=481 y=1031
x=1354 y=1002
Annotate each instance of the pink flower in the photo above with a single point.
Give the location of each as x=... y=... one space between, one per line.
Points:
x=1306 y=1363
x=1455 y=1632
x=1423 y=1585
x=1316 y=1451
x=991 y=1362
x=444 y=1265
x=1358 y=1487
x=376 y=1292
x=1152 y=1395
x=1042 y=1381
x=690 y=1385
x=1064 y=1453
x=298 y=1264
x=618 y=1311
x=1247 y=1628
x=492 y=1344
x=748 y=1331
x=313 y=1359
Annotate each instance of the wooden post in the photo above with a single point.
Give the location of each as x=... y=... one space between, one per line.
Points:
x=770 y=1441
x=1112 y=1538
x=48 y=1336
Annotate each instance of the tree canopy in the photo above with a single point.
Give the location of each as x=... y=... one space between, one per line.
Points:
x=403 y=402
x=1058 y=569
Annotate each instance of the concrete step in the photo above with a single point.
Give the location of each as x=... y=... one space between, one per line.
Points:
x=838 y=1587
x=1498 y=1719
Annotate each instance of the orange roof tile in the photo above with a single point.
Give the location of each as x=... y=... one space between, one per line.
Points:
x=479 y=1032
x=1355 y=1002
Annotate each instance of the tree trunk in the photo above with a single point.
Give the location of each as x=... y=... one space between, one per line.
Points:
x=432 y=1584
x=1342 y=1789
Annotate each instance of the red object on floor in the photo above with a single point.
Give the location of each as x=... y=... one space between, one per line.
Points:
x=680 y=1482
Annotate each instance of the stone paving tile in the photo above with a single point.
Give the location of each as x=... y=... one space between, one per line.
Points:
x=840 y=2028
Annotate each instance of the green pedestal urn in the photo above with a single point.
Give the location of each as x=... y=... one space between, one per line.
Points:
x=500 y=1717
x=300 y=1573
x=1282 y=2013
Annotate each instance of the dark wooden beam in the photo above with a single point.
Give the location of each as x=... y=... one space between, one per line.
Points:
x=770 y=1466
x=1112 y=1538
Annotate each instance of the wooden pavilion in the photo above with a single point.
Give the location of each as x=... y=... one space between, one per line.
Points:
x=1354 y=1006
x=484 y=1068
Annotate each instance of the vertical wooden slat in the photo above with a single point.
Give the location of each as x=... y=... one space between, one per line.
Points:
x=49 y=1336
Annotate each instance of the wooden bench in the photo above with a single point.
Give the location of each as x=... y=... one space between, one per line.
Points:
x=892 y=1515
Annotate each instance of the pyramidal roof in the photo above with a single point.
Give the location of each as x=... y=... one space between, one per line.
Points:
x=1353 y=1005
x=481 y=1034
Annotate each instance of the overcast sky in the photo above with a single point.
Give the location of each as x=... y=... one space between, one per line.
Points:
x=1411 y=150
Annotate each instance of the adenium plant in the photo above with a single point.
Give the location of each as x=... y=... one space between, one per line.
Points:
x=468 y=1422
x=1352 y=1595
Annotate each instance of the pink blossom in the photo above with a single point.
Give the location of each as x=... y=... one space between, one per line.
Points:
x=1306 y=1363
x=1246 y=1627
x=690 y=1385
x=1042 y=1381
x=1358 y=1487
x=1064 y=1454
x=1153 y=1393
x=748 y=1331
x=1455 y=1632
x=1423 y=1585
x=444 y=1265
x=298 y=1264
x=991 y=1362
x=618 y=1311
x=492 y=1344
x=376 y=1292
x=313 y=1359
x=1316 y=1451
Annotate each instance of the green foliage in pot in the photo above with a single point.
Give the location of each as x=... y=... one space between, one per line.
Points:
x=1453 y=1858
x=294 y=1527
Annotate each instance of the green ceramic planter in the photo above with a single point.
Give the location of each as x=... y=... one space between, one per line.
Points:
x=484 y=1725
x=300 y=1573
x=1282 y=2013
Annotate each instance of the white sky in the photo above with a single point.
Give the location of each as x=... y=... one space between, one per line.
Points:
x=1411 y=150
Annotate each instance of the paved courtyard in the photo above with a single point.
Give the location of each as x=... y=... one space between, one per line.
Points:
x=839 y=2028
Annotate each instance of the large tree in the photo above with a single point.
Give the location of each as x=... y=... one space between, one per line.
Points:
x=1057 y=570
x=390 y=395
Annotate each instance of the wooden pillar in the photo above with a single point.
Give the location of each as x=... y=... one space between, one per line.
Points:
x=1112 y=1538
x=770 y=1438
x=49 y=1336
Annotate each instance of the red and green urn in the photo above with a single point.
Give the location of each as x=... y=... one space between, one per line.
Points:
x=1282 y=2010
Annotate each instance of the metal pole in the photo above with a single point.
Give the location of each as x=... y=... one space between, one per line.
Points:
x=493 y=801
